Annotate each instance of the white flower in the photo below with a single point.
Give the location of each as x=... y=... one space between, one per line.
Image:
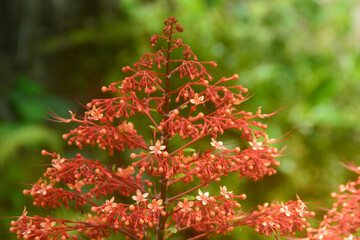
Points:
x=43 y=188
x=197 y=100
x=109 y=204
x=204 y=197
x=351 y=237
x=218 y=145
x=95 y=114
x=157 y=149
x=256 y=145
x=56 y=163
x=224 y=192
x=301 y=209
x=139 y=196
x=343 y=187
x=285 y=210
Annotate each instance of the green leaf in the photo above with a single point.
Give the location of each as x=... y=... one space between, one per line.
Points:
x=113 y=168
x=172 y=229
x=189 y=150
x=185 y=106
x=189 y=197
x=152 y=127
x=179 y=175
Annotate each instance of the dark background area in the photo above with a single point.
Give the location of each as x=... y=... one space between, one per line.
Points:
x=302 y=55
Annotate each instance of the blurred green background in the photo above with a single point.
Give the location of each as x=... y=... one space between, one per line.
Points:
x=300 y=54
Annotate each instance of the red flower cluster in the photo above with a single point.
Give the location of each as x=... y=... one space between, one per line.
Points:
x=194 y=110
x=342 y=221
x=287 y=218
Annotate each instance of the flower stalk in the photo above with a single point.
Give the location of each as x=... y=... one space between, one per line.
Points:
x=165 y=135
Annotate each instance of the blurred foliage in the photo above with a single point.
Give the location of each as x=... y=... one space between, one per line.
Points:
x=16 y=137
x=302 y=55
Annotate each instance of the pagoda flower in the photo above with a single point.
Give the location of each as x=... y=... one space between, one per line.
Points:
x=110 y=203
x=157 y=149
x=285 y=210
x=256 y=145
x=197 y=100
x=224 y=192
x=47 y=225
x=147 y=92
x=343 y=187
x=95 y=114
x=322 y=233
x=301 y=208
x=43 y=188
x=155 y=205
x=218 y=145
x=204 y=197
x=186 y=205
x=268 y=221
x=139 y=196
x=351 y=237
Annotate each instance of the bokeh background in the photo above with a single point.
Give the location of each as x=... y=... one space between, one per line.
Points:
x=301 y=54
